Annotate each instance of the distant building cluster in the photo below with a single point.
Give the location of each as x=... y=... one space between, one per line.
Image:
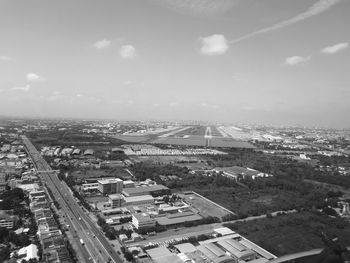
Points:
x=17 y=171
x=150 y=150
x=237 y=172
x=56 y=151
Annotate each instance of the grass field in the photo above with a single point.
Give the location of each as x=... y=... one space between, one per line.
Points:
x=93 y=173
x=166 y=159
x=215 y=132
x=133 y=139
x=191 y=141
x=194 y=130
x=293 y=233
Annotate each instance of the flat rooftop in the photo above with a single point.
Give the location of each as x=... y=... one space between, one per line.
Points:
x=143 y=189
x=138 y=198
x=110 y=181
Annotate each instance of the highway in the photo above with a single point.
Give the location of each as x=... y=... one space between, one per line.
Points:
x=96 y=248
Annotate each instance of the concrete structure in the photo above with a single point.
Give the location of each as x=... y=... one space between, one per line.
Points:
x=27 y=253
x=114 y=211
x=214 y=253
x=145 y=190
x=89 y=152
x=7 y=221
x=141 y=221
x=90 y=187
x=186 y=248
x=129 y=184
x=115 y=200
x=237 y=172
x=237 y=250
x=110 y=186
x=177 y=219
x=163 y=255
x=138 y=200
x=36 y=195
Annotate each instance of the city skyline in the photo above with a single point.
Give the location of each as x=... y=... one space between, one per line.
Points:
x=277 y=62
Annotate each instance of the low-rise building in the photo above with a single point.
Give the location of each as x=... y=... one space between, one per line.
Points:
x=142 y=221
x=6 y=220
x=27 y=253
x=128 y=184
x=177 y=219
x=90 y=187
x=138 y=200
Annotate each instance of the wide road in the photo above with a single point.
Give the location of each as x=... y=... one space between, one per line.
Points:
x=96 y=248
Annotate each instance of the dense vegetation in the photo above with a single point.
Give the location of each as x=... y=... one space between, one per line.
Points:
x=12 y=199
x=287 y=190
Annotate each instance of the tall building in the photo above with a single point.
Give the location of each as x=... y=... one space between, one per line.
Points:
x=110 y=186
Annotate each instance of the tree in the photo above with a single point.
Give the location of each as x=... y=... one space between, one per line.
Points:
x=4 y=254
x=4 y=232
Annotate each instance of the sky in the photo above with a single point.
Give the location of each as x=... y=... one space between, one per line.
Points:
x=251 y=61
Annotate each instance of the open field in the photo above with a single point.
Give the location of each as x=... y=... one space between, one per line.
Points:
x=293 y=232
x=166 y=159
x=229 y=143
x=191 y=140
x=133 y=139
x=194 y=130
x=215 y=132
x=94 y=173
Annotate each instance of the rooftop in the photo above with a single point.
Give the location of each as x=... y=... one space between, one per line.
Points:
x=110 y=181
x=130 y=199
x=144 y=189
x=115 y=196
x=176 y=219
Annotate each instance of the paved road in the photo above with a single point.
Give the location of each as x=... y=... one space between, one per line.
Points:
x=96 y=248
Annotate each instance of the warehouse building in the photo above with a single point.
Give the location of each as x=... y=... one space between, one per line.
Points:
x=178 y=219
x=138 y=200
x=146 y=190
x=163 y=255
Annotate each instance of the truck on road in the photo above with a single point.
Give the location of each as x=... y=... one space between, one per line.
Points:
x=81 y=242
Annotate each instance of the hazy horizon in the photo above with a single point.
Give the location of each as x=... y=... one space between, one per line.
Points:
x=276 y=62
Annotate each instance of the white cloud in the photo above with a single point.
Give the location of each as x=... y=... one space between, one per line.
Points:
x=295 y=60
x=127 y=51
x=22 y=88
x=173 y=104
x=127 y=82
x=214 y=45
x=5 y=58
x=335 y=48
x=198 y=7
x=316 y=9
x=32 y=77
x=104 y=43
